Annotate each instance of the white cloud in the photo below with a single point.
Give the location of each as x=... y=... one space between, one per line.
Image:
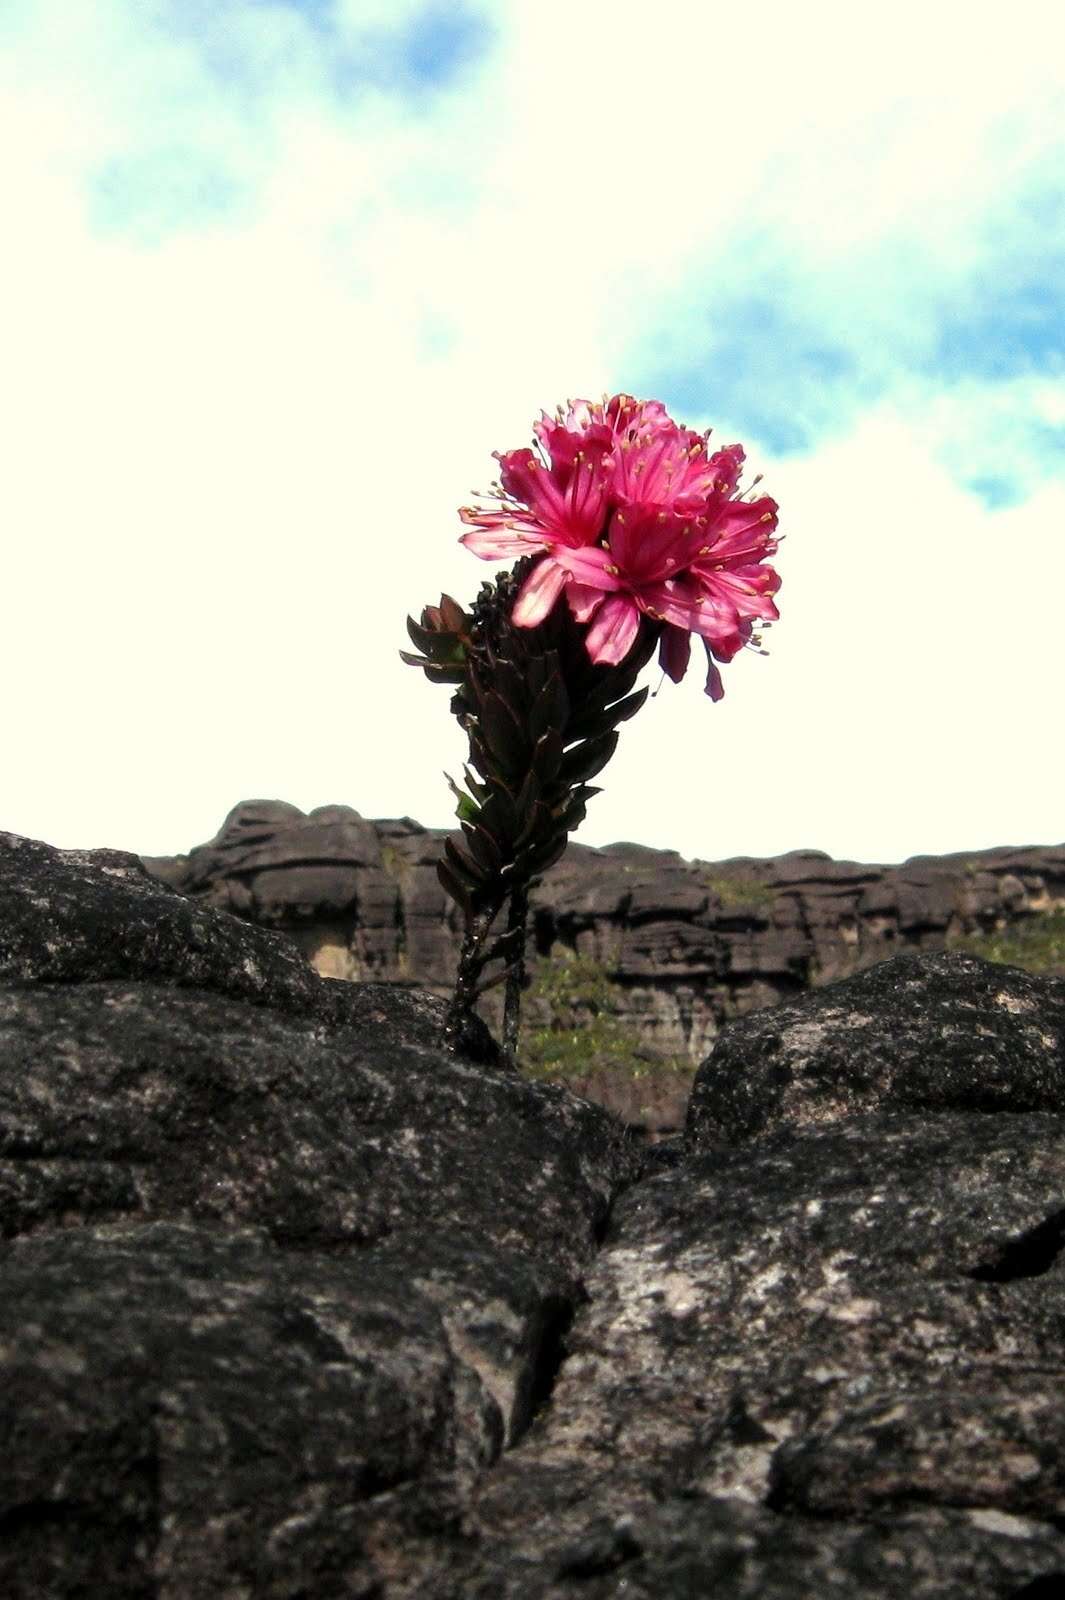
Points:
x=236 y=443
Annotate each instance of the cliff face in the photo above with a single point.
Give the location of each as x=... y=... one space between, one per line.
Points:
x=670 y=949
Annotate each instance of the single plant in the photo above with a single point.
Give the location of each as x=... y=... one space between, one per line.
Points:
x=629 y=535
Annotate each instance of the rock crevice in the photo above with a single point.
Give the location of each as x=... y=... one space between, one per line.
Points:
x=294 y=1304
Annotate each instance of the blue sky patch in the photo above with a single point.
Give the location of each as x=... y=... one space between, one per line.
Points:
x=759 y=369
x=1005 y=331
x=998 y=494
x=431 y=50
x=158 y=193
x=250 y=45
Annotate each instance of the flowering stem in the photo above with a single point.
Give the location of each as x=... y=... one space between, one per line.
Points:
x=471 y=962
x=517 y=917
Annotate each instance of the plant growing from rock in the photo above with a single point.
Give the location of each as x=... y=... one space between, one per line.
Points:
x=629 y=535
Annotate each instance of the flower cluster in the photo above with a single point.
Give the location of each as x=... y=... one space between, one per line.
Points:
x=633 y=518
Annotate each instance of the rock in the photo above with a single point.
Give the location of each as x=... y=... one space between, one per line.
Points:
x=294 y=1305
x=262 y=1263
x=673 y=949
x=70 y=915
x=828 y=1362
x=945 y=1032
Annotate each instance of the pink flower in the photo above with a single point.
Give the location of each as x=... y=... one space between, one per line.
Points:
x=634 y=519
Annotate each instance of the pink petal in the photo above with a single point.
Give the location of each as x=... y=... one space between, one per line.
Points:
x=714 y=687
x=743 y=527
x=727 y=465
x=674 y=651
x=492 y=545
x=612 y=634
x=584 y=600
x=589 y=564
x=538 y=593
x=747 y=591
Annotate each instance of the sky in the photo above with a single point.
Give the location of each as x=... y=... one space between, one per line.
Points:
x=280 y=275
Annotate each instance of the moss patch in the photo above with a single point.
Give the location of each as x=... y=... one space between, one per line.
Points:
x=585 y=1032
x=395 y=863
x=739 y=893
x=1037 y=943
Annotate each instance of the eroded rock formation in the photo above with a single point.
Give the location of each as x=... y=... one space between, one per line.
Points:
x=293 y=1305
x=669 y=949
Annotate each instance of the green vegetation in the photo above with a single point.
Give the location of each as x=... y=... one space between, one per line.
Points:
x=739 y=893
x=584 y=1030
x=395 y=863
x=1037 y=944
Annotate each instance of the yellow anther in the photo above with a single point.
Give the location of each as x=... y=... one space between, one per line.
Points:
x=613 y=571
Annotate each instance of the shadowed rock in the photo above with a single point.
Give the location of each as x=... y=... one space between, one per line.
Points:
x=292 y=1304
x=261 y=1264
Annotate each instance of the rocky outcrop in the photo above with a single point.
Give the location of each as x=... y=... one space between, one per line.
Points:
x=265 y=1254
x=684 y=946
x=294 y=1305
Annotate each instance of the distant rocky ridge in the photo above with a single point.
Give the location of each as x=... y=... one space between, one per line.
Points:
x=678 y=948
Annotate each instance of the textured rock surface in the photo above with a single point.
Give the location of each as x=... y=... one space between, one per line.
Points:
x=944 y=1032
x=294 y=1305
x=260 y=1263
x=686 y=945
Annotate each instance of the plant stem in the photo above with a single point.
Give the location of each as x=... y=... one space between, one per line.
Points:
x=517 y=917
x=471 y=961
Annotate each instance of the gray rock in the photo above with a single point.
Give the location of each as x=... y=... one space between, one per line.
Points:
x=295 y=1305
x=74 y=915
x=828 y=1362
x=260 y=1264
x=944 y=1032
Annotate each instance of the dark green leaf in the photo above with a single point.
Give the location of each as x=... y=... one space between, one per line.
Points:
x=483 y=846
x=502 y=734
x=550 y=708
x=547 y=854
x=547 y=757
x=467 y=809
x=453 y=887
x=499 y=815
x=584 y=760
x=594 y=725
x=436 y=671
x=465 y=870
x=454 y=618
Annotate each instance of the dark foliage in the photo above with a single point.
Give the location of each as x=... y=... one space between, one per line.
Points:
x=541 y=720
